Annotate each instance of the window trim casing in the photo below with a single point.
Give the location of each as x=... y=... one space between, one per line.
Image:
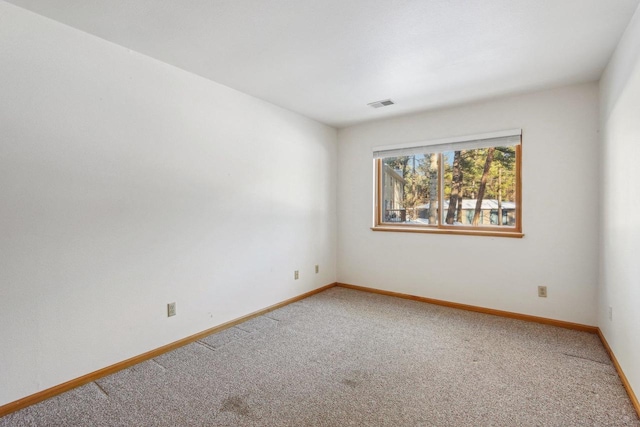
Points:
x=440 y=228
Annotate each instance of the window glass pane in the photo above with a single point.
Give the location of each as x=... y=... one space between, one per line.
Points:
x=480 y=187
x=410 y=189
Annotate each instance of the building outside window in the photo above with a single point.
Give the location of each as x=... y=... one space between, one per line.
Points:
x=476 y=180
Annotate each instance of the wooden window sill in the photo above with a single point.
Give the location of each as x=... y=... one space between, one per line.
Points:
x=452 y=230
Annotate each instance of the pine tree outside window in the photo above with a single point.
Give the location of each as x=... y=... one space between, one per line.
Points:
x=475 y=179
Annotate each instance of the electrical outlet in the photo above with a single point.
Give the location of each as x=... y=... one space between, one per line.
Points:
x=296 y=275
x=171 y=309
x=610 y=313
x=542 y=291
x=317 y=269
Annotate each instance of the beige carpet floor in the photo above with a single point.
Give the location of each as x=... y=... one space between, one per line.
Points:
x=350 y=358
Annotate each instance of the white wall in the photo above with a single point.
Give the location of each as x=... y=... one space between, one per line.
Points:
x=620 y=226
x=126 y=184
x=560 y=211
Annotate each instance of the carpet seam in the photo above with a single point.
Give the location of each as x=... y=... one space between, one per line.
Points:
x=55 y=390
x=510 y=315
x=101 y=389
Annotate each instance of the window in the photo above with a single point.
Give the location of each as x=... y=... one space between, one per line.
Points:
x=476 y=181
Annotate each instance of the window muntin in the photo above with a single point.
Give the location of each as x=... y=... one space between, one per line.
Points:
x=476 y=183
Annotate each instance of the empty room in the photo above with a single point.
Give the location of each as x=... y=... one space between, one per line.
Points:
x=319 y=213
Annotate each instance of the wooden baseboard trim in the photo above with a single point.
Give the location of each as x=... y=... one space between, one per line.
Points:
x=61 y=388
x=501 y=313
x=525 y=317
x=623 y=377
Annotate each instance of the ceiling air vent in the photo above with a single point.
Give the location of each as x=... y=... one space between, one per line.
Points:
x=383 y=103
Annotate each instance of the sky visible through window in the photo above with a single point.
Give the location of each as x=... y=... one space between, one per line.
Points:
x=478 y=188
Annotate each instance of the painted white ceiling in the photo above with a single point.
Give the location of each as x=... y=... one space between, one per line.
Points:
x=327 y=59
